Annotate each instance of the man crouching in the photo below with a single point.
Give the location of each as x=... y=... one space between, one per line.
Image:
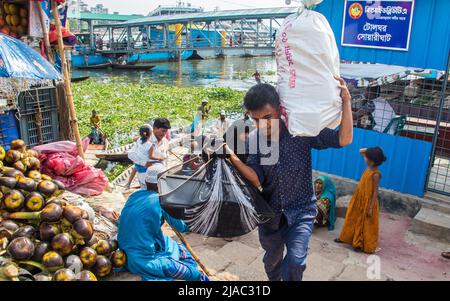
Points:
x=150 y=253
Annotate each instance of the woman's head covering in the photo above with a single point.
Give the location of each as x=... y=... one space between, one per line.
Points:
x=376 y=155
x=328 y=192
x=153 y=172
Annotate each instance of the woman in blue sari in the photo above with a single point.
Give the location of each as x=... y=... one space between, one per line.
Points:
x=150 y=253
x=326 y=202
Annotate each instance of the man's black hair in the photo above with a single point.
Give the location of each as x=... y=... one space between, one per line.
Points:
x=161 y=123
x=261 y=95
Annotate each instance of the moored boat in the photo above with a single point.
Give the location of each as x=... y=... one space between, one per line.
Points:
x=133 y=67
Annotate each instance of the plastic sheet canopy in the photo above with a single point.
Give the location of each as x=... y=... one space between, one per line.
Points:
x=18 y=60
x=214 y=200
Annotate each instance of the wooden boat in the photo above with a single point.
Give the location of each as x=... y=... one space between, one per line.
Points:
x=95 y=67
x=79 y=79
x=99 y=147
x=133 y=67
x=119 y=154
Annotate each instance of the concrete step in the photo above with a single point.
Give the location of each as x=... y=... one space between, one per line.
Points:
x=342 y=205
x=437 y=197
x=432 y=223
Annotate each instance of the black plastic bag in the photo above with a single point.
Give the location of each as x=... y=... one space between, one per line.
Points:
x=214 y=201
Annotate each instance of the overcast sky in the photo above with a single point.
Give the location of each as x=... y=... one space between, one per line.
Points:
x=145 y=6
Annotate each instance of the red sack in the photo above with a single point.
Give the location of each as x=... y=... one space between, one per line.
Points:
x=60 y=160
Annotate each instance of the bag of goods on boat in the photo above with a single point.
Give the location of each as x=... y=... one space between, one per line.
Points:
x=215 y=200
x=43 y=236
x=307 y=61
x=60 y=160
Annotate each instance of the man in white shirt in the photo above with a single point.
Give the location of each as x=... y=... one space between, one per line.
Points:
x=160 y=146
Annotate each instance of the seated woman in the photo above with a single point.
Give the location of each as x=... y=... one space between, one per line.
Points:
x=150 y=253
x=326 y=202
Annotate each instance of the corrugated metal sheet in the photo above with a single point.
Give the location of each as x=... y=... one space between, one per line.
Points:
x=107 y=17
x=276 y=12
x=405 y=170
x=430 y=36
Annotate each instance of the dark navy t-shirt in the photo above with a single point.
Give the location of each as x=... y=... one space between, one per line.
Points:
x=287 y=184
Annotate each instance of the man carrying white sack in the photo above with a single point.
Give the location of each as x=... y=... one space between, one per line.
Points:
x=281 y=166
x=313 y=101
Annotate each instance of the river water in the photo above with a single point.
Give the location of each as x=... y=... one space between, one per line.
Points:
x=233 y=72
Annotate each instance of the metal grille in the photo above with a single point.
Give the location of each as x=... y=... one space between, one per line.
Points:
x=31 y=100
x=412 y=107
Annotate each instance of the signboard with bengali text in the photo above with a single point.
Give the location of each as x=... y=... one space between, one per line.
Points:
x=384 y=24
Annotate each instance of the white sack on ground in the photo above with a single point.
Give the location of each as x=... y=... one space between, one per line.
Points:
x=307 y=60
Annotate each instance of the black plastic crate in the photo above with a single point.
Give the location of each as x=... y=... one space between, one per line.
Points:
x=29 y=104
x=49 y=127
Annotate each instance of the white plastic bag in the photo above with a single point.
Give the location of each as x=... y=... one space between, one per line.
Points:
x=307 y=61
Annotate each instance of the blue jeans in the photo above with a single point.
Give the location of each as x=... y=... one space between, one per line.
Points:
x=277 y=234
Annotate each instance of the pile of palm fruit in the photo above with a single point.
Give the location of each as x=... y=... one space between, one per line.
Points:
x=43 y=234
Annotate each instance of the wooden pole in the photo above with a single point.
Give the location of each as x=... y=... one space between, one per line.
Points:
x=183 y=240
x=47 y=46
x=65 y=70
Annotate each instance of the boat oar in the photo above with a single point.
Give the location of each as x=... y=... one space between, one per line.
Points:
x=176 y=156
x=186 y=244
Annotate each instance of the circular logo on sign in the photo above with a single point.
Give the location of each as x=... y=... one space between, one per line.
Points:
x=355 y=10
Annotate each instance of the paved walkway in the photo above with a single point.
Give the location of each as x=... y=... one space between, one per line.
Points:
x=403 y=256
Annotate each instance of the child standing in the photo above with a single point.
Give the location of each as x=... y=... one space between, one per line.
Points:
x=140 y=154
x=361 y=221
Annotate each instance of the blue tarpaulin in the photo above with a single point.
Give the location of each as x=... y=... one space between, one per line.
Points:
x=18 y=60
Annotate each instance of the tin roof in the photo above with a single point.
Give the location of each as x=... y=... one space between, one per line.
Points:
x=107 y=17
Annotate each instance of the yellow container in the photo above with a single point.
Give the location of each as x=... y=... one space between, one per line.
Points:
x=224 y=38
x=178 y=36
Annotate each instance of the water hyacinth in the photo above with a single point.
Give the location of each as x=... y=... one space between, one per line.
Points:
x=125 y=106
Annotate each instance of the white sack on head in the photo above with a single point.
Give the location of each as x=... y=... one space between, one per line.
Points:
x=307 y=60
x=310 y=3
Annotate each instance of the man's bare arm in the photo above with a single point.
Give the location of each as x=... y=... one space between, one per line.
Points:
x=346 y=128
x=244 y=170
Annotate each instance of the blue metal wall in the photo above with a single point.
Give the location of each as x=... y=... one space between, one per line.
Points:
x=405 y=170
x=430 y=36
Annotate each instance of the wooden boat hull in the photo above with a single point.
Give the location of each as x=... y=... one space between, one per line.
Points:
x=95 y=67
x=79 y=79
x=133 y=67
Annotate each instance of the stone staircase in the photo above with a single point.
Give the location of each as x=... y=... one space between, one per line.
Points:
x=433 y=219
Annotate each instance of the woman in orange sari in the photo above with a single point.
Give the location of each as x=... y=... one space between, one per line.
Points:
x=361 y=221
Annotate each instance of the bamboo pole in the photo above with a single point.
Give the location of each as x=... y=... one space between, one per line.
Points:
x=183 y=240
x=65 y=70
x=47 y=46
